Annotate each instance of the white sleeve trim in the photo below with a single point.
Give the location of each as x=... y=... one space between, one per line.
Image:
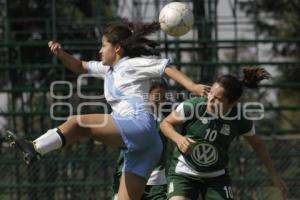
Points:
x=166 y=63
x=180 y=112
x=97 y=68
x=251 y=132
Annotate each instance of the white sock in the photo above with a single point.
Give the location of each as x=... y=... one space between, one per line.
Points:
x=50 y=141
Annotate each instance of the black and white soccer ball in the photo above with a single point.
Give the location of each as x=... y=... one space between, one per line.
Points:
x=176 y=19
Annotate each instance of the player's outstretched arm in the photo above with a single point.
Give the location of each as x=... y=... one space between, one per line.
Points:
x=186 y=82
x=264 y=156
x=68 y=60
x=168 y=125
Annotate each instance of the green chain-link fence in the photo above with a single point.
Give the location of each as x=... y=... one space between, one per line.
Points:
x=84 y=171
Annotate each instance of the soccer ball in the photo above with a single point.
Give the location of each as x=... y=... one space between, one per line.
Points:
x=176 y=19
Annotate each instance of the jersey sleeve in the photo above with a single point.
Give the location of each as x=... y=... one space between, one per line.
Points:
x=187 y=110
x=247 y=128
x=97 y=68
x=180 y=112
x=147 y=67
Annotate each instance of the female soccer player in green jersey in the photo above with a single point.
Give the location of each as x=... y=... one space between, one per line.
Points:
x=210 y=125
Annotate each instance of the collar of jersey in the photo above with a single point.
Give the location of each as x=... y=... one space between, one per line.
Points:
x=118 y=64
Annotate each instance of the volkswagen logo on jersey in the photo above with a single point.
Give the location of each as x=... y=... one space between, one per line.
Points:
x=204 y=154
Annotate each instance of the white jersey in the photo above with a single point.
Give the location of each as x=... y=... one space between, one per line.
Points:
x=127 y=83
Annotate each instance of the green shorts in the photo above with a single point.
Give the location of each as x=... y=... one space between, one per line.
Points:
x=209 y=188
x=153 y=192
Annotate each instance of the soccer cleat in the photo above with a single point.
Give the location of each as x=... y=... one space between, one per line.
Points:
x=30 y=155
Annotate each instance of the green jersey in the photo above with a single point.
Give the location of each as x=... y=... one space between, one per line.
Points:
x=213 y=136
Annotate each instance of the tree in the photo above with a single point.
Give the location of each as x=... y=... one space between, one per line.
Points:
x=281 y=19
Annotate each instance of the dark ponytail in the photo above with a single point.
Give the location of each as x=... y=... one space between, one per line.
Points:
x=132 y=37
x=234 y=87
x=252 y=76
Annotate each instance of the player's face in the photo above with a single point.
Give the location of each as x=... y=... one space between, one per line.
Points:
x=217 y=102
x=157 y=95
x=107 y=53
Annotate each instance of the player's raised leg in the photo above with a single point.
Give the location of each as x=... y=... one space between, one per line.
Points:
x=100 y=127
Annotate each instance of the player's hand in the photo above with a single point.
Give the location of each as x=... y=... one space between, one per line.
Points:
x=185 y=145
x=201 y=90
x=280 y=184
x=54 y=47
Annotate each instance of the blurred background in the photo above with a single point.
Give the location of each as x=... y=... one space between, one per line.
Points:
x=227 y=35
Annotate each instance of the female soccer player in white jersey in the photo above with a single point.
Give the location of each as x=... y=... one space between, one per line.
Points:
x=131 y=125
x=156 y=186
x=199 y=165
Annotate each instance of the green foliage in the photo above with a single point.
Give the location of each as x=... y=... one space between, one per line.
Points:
x=278 y=19
x=281 y=19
